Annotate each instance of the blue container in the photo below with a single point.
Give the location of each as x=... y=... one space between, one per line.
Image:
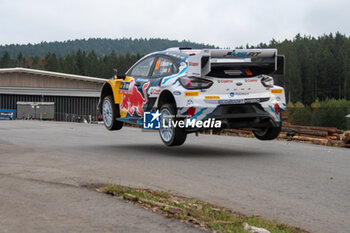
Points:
x=7 y=114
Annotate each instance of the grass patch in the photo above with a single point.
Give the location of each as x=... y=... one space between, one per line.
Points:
x=201 y=214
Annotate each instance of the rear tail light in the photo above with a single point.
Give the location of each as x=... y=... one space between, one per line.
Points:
x=195 y=83
x=267 y=81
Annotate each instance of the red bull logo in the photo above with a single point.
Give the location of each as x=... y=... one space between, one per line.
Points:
x=132 y=100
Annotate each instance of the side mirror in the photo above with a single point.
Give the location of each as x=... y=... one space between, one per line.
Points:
x=120 y=76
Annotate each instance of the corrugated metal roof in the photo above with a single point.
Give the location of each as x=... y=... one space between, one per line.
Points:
x=50 y=91
x=50 y=73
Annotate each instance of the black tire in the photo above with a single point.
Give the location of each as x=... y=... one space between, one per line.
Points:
x=110 y=112
x=269 y=133
x=178 y=135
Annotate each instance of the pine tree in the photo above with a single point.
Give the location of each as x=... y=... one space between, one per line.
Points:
x=51 y=63
x=6 y=61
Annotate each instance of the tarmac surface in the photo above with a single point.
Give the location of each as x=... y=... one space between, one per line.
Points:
x=44 y=167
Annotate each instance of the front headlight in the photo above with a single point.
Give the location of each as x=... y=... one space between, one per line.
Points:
x=267 y=81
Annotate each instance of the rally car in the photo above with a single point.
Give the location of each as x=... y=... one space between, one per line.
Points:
x=181 y=90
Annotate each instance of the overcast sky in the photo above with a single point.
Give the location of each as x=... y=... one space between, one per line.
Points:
x=225 y=23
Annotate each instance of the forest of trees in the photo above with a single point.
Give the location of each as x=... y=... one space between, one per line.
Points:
x=81 y=63
x=101 y=47
x=316 y=68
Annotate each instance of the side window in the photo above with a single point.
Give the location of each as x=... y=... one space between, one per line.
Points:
x=143 y=68
x=163 y=67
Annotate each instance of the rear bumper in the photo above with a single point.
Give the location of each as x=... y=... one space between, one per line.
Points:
x=252 y=115
x=245 y=116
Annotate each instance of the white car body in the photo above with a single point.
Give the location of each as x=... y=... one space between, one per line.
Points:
x=235 y=87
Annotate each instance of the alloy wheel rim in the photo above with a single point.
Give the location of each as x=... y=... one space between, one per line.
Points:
x=261 y=132
x=107 y=113
x=166 y=128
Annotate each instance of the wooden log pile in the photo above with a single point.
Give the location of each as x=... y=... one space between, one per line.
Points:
x=312 y=134
x=330 y=136
x=346 y=139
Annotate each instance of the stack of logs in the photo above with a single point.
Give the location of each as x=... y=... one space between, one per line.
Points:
x=312 y=134
x=307 y=134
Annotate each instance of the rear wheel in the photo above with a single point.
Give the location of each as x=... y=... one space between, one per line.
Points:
x=170 y=135
x=268 y=133
x=110 y=112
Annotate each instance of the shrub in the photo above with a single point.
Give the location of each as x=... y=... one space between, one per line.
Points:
x=315 y=105
x=300 y=115
x=331 y=113
x=290 y=109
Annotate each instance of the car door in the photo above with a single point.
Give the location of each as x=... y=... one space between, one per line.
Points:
x=163 y=66
x=134 y=90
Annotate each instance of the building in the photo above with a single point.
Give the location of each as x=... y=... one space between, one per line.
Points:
x=75 y=97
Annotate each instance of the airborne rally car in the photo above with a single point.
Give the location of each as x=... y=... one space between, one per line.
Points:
x=180 y=90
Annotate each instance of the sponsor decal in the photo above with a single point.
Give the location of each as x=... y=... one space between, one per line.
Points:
x=212 y=97
x=225 y=81
x=232 y=101
x=251 y=80
x=154 y=91
x=194 y=64
x=189 y=102
x=243 y=54
x=239 y=84
x=242 y=93
x=232 y=94
x=157 y=64
x=211 y=101
x=151 y=120
x=177 y=92
x=132 y=100
x=124 y=86
x=276 y=91
x=192 y=93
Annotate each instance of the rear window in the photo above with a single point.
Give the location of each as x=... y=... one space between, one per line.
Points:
x=239 y=71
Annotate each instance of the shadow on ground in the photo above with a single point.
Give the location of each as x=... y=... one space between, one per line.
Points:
x=181 y=151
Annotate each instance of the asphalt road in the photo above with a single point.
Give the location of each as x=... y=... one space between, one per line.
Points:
x=43 y=166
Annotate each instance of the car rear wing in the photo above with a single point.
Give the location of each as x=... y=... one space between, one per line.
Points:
x=200 y=62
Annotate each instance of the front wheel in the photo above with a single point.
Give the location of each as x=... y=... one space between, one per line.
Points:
x=110 y=114
x=170 y=135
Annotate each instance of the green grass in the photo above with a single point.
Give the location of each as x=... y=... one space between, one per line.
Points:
x=196 y=212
